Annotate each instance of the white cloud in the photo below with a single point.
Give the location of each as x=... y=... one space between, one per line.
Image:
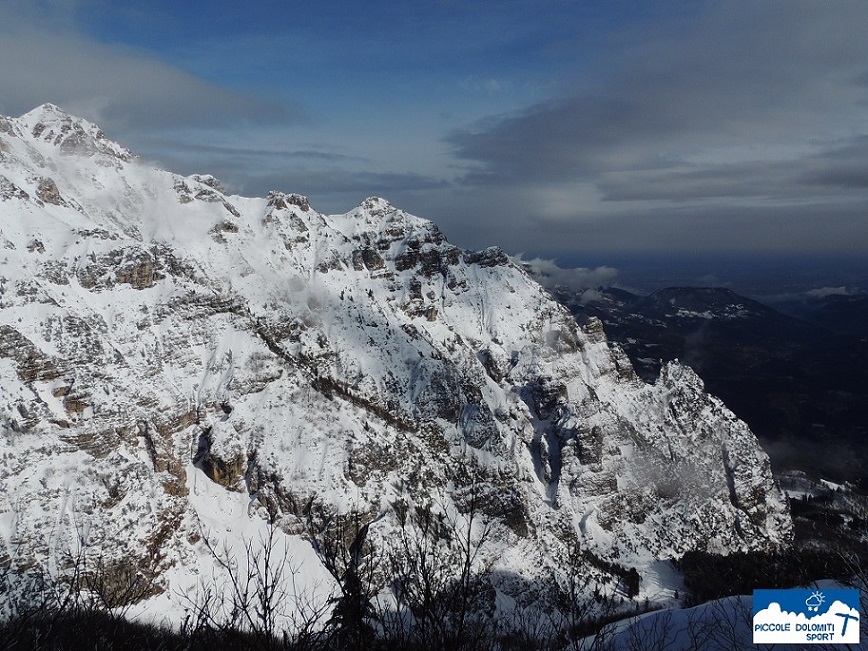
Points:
x=550 y=275
x=825 y=292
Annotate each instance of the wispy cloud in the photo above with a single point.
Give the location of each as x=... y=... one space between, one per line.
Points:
x=825 y=292
x=325 y=153
x=489 y=86
x=118 y=87
x=550 y=275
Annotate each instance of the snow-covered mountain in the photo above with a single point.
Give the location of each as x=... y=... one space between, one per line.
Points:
x=173 y=357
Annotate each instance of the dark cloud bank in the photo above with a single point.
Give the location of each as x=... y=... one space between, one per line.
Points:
x=738 y=127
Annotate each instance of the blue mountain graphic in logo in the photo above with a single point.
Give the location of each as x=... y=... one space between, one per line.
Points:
x=810 y=603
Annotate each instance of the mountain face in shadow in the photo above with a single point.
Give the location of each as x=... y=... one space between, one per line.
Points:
x=800 y=383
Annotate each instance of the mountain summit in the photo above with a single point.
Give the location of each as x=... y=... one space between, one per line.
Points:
x=178 y=362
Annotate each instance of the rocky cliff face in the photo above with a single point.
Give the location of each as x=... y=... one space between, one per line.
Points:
x=172 y=355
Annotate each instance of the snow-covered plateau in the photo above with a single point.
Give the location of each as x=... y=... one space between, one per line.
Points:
x=178 y=364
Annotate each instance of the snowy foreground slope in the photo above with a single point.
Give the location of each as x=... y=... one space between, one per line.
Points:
x=175 y=360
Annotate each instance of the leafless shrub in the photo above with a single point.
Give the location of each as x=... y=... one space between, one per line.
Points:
x=257 y=600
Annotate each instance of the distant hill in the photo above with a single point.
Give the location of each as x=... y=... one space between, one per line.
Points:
x=840 y=313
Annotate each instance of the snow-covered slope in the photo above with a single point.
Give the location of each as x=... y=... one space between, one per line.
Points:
x=172 y=355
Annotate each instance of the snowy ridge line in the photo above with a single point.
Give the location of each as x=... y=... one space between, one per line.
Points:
x=166 y=361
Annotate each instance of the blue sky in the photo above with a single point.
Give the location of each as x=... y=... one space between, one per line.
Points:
x=547 y=126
